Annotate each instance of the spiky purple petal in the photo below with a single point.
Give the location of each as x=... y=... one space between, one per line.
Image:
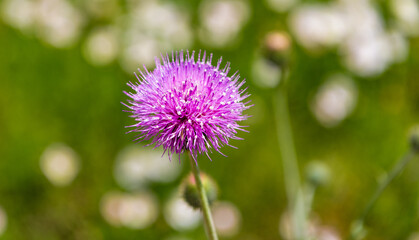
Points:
x=187 y=105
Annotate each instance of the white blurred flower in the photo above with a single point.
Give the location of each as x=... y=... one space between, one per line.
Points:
x=101 y=46
x=370 y=54
x=58 y=22
x=136 y=211
x=318 y=25
x=179 y=215
x=60 y=164
x=367 y=50
x=3 y=221
x=281 y=5
x=227 y=219
x=172 y=24
x=19 y=14
x=136 y=165
x=367 y=55
x=109 y=208
x=140 y=49
x=314 y=229
x=361 y=17
x=357 y=28
x=265 y=73
x=407 y=14
x=335 y=100
x=222 y=20
x=326 y=233
x=146 y=35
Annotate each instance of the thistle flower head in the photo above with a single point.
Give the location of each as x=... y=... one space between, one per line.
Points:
x=187 y=105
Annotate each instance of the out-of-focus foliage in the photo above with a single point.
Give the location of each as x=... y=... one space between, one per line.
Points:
x=69 y=171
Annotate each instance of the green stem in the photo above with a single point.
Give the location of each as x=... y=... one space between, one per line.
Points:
x=309 y=192
x=206 y=211
x=357 y=231
x=293 y=188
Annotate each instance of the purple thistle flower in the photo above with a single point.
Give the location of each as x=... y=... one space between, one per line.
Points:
x=187 y=105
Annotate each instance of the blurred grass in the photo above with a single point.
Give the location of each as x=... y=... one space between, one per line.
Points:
x=49 y=95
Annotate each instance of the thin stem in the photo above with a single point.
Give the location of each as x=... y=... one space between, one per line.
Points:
x=206 y=211
x=286 y=143
x=356 y=233
x=309 y=192
x=293 y=189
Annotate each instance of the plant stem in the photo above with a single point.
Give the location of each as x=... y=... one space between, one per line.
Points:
x=309 y=192
x=293 y=188
x=357 y=233
x=206 y=211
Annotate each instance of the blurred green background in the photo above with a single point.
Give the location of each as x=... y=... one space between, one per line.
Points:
x=69 y=171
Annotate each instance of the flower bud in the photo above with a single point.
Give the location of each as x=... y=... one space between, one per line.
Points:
x=317 y=173
x=277 y=48
x=414 y=138
x=190 y=191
